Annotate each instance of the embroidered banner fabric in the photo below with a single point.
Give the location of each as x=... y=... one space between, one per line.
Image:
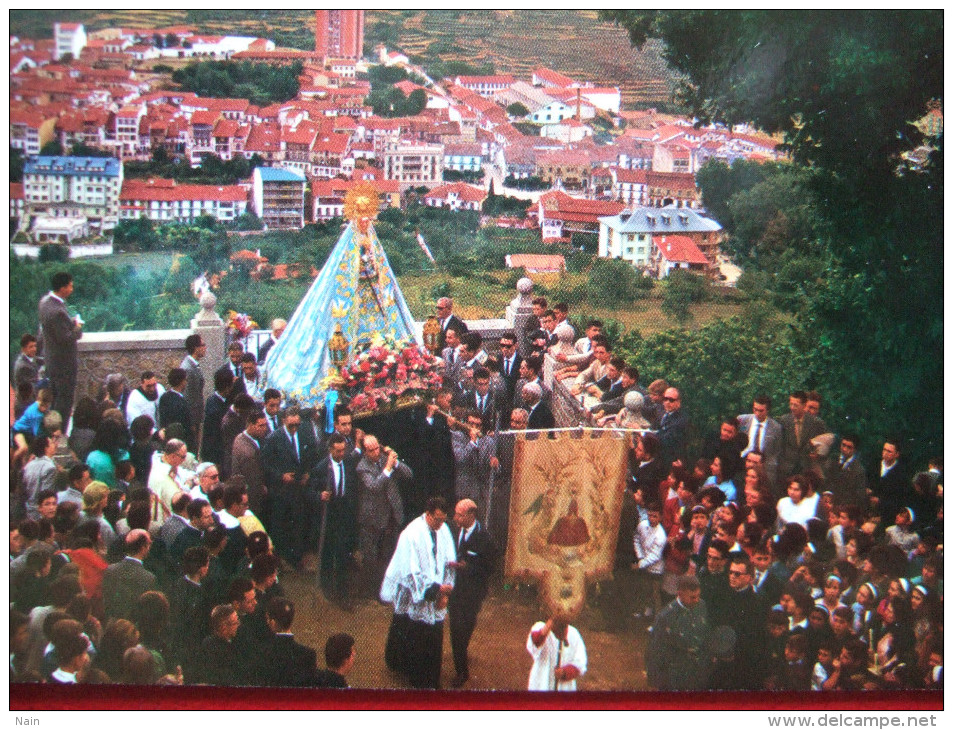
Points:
x=565 y=502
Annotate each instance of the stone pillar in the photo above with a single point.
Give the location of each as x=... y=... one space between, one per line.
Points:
x=520 y=311
x=212 y=329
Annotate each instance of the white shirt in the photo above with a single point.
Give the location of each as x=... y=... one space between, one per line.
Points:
x=552 y=653
x=752 y=430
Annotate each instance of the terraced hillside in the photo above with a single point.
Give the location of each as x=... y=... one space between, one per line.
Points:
x=574 y=42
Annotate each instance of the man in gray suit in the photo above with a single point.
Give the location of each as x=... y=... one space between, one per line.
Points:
x=125 y=581
x=764 y=435
x=380 y=512
x=194 y=382
x=798 y=428
x=246 y=462
x=58 y=335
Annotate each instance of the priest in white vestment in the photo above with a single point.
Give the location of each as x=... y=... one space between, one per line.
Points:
x=418 y=582
x=559 y=656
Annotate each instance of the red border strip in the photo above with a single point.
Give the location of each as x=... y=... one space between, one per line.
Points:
x=27 y=697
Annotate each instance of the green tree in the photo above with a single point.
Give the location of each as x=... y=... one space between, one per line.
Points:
x=516 y=109
x=681 y=290
x=819 y=77
x=16 y=164
x=52 y=148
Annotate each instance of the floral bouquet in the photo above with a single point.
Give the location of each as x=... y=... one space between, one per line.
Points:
x=240 y=325
x=389 y=374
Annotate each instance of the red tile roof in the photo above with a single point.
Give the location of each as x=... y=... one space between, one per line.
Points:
x=205 y=117
x=553 y=77
x=680 y=249
x=466 y=193
x=140 y=190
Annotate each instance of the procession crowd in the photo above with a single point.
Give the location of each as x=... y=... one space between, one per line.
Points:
x=150 y=525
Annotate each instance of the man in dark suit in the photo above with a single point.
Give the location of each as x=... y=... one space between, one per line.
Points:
x=173 y=407
x=891 y=487
x=510 y=361
x=475 y=558
x=845 y=475
x=448 y=320
x=283 y=662
x=647 y=468
x=287 y=460
x=187 y=609
x=797 y=429
x=673 y=429
x=215 y=409
x=247 y=463
x=222 y=663
x=201 y=518
x=277 y=329
x=272 y=406
x=483 y=399
x=335 y=486
x=195 y=384
x=339 y=659
x=539 y=414
x=434 y=462
x=125 y=581
x=58 y=335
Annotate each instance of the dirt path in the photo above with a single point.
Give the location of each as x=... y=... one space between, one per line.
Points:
x=498 y=657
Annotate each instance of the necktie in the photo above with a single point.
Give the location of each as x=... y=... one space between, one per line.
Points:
x=509 y=364
x=433 y=536
x=757 y=437
x=340 y=489
x=480 y=401
x=797 y=431
x=238 y=371
x=294 y=441
x=274 y=423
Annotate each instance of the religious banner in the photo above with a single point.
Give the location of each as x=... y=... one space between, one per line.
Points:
x=565 y=502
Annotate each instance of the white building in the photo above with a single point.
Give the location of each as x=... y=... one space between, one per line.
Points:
x=629 y=235
x=74 y=187
x=414 y=165
x=68 y=38
x=165 y=201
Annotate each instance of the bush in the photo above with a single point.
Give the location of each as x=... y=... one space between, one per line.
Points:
x=614 y=284
x=50 y=252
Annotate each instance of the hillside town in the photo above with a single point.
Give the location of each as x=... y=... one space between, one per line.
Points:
x=592 y=167
x=260 y=435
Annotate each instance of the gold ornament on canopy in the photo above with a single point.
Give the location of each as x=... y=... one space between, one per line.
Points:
x=338 y=348
x=431 y=333
x=361 y=205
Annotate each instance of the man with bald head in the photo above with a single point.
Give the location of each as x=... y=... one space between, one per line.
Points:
x=277 y=329
x=448 y=320
x=673 y=429
x=538 y=413
x=476 y=554
x=125 y=581
x=380 y=514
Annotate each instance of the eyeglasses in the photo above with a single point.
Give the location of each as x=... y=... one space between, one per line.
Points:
x=507 y=345
x=736 y=573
